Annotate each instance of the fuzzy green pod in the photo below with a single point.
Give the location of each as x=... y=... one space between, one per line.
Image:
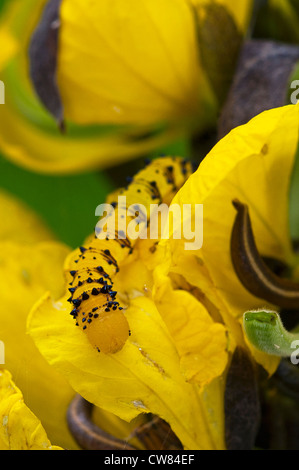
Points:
x=265 y=331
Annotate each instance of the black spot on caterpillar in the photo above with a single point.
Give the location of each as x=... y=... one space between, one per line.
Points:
x=92 y=267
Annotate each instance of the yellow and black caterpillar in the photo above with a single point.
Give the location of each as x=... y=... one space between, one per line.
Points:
x=92 y=267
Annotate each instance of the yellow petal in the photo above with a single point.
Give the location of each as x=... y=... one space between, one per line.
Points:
x=143 y=377
x=29 y=266
x=29 y=136
x=249 y=164
x=26 y=273
x=20 y=429
x=145 y=66
x=19 y=223
x=195 y=273
x=21 y=140
x=201 y=342
x=241 y=11
x=9 y=43
x=116 y=427
x=9 y=46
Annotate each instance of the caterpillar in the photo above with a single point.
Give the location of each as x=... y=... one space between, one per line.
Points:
x=92 y=267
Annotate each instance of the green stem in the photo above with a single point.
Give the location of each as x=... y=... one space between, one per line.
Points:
x=265 y=331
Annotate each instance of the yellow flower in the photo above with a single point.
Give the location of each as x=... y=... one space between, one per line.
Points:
x=142 y=80
x=253 y=164
x=30 y=264
x=144 y=69
x=19 y=223
x=185 y=308
x=144 y=377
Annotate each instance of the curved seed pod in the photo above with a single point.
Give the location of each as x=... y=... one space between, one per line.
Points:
x=87 y=434
x=252 y=271
x=241 y=402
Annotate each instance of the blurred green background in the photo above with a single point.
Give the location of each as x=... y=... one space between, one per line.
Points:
x=66 y=203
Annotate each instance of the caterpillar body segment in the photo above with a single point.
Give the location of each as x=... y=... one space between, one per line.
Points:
x=92 y=267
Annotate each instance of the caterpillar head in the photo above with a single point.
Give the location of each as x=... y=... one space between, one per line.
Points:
x=108 y=332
